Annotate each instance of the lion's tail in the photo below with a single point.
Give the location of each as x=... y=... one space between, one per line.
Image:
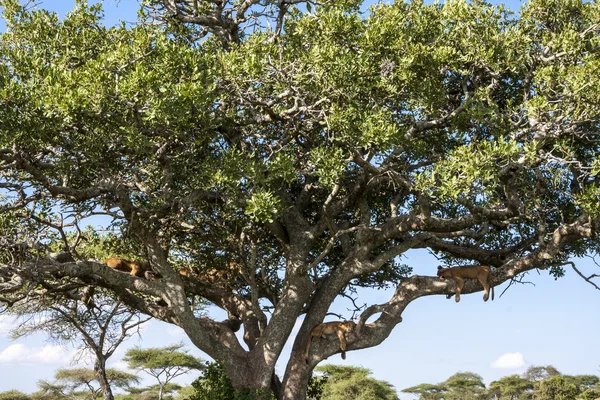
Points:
x=307 y=348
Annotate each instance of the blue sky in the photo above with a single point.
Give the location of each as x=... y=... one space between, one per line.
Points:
x=546 y=322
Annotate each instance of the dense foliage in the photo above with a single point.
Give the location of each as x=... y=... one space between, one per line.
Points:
x=287 y=155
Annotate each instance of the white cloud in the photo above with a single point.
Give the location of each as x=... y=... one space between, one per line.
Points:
x=509 y=361
x=19 y=353
x=50 y=355
x=14 y=352
x=6 y=323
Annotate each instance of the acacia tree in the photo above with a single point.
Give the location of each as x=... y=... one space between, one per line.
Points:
x=164 y=364
x=537 y=373
x=347 y=382
x=86 y=379
x=14 y=395
x=303 y=151
x=462 y=385
x=511 y=387
x=102 y=327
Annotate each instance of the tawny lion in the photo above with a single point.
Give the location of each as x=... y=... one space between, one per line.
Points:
x=459 y=274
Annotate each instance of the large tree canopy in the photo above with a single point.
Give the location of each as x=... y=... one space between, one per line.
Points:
x=285 y=153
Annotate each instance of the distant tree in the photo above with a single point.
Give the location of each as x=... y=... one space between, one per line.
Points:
x=150 y=392
x=14 y=395
x=538 y=373
x=583 y=382
x=69 y=381
x=511 y=387
x=556 y=387
x=163 y=363
x=464 y=386
x=349 y=382
x=427 y=391
x=590 y=394
x=170 y=392
x=460 y=386
x=50 y=391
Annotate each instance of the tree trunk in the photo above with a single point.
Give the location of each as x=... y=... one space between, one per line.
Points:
x=100 y=368
x=295 y=381
x=276 y=387
x=160 y=391
x=261 y=382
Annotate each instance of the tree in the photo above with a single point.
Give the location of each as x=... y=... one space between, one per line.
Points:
x=512 y=387
x=93 y=315
x=51 y=391
x=427 y=391
x=14 y=395
x=346 y=382
x=71 y=380
x=539 y=373
x=462 y=385
x=103 y=327
x=151 y=393
x=299 y=152
x=583 y=382
x=556 y=387
x=164 y=363
x=590 y=394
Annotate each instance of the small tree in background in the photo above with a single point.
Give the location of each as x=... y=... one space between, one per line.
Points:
x=583 y=382
x=51 y=391
x=163 y=363
x=349 y=382
x=538 y=373
x=511 y=387
x=427 y=391
x=151 y=393
x=14 y=395
x=464 y=386
x=556 y=387
x=70 y=382
x=590 y=394
x=460 y=386
x=102 y=328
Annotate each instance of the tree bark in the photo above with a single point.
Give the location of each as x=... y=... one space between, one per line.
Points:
x=295 y=383
x=100 y=368
x=276 y=387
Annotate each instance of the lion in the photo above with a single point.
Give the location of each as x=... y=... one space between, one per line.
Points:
x=329 y=328
x=459 y=274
